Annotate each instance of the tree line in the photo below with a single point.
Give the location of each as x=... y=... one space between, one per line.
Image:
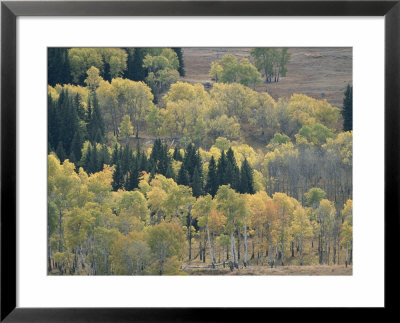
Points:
x=155 y=228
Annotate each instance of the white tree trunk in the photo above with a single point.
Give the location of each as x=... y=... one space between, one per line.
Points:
x=209 y=246
x=245 y=242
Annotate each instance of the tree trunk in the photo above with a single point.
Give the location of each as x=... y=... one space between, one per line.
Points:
x=200 y=250
x=238 y=244
x=48 y=250
x=60 y=248
x=213 y=246
x=233 y=251
x=245 y=243
x=204 y=249
x=209 y=246
x=190 y=234
x=301 y=253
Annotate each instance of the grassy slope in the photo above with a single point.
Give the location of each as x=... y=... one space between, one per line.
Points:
x=322 y=73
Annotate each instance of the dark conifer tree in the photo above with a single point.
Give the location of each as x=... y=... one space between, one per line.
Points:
x=144 y=165
x=95 y=122
x=221 y=170
x=197 y=183
x=182 y=178
x=68 y=120
x=181 y=68
x=232 y=174
x=132 y=181
x=190 y=160
x=115 y=155
x=164 y=161
x=53 y=123
x=177 y=154
x=76 y=145
x=246 y=179
x=126 y=160
x=72 y=159
x=61 y=152
x=170 y=172
x=86 y=160
x=212 y=179
x=94 y=160
x=58 y=69
x=155 y=155
x=160 y=158
x=135 y=70
x=152 y=174
x=347 y=111
x=118 y=178
x=106 y=74
x=104 y=156
x=79 y=107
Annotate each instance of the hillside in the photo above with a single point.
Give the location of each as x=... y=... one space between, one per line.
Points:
x=321 y=73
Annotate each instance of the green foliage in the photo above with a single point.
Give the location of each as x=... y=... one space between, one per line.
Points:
x=317 y=134
x=271 y=62
x=111 y=62
x=314 y=197
x=230 y=70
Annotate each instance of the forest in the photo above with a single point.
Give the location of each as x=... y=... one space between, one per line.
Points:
x=149 y=174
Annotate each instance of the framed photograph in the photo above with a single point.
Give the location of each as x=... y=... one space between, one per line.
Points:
x=182 y=160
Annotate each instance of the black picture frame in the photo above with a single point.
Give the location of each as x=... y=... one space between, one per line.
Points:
x=10 y=10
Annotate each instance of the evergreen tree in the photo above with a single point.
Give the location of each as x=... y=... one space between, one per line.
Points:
x=246 y=179
x=164 y=161
x=72 y=159
x=115 y=155
x=221 y=170
x=155 y=154
x=177 y=154
x=212 y=179
x=170 y=172
x=197 y=183
x=132 y=181
x=95 y=122
x=152 y=174
x=126 y=160
x=68 y=120
x=182 y=178
x=347 y=111
x=106 y=74
x=61 y=152
x=79 y=107
x=159 y=158
x=181 y=68
x=190 y=161
x=144 y=165
x=86 y=160
x=104 y=156
x=94 y=160
x=53 y=123
x=76 y=146
x=118 y=178
x=58 y=68
x=135 y=70
x=232 y=173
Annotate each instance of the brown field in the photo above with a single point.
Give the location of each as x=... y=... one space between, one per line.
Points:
x=322 y=270
x=320 y=72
